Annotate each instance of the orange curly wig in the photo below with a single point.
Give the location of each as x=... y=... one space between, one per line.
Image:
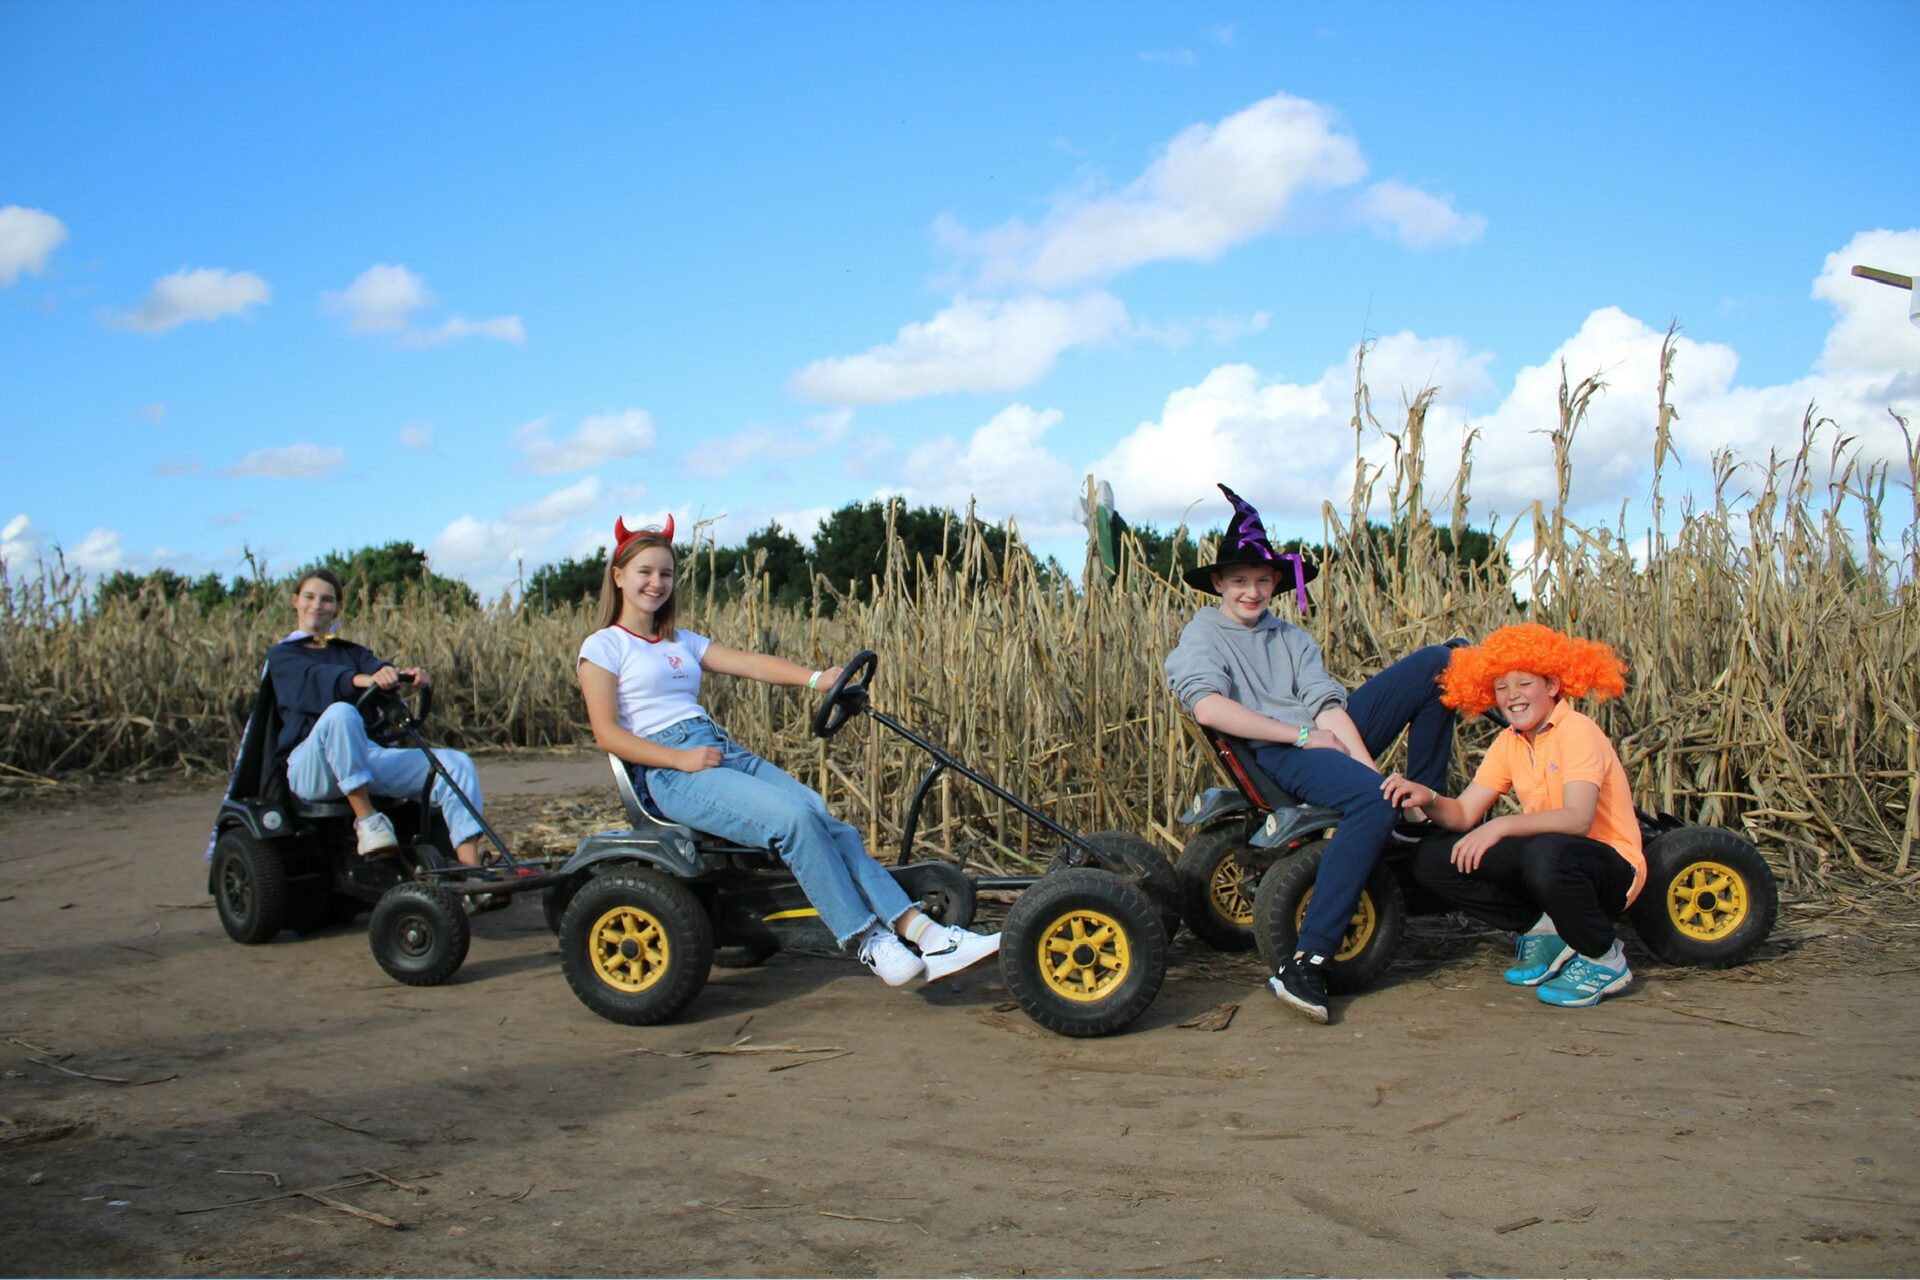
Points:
x=1583 y=666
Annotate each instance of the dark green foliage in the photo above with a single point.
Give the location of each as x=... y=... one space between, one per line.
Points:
x=555 y=586
x=390 y=570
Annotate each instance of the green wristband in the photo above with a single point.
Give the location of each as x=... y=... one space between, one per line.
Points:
x=1301 y=741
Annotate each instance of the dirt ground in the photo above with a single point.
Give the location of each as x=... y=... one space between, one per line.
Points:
x=1761 y=1121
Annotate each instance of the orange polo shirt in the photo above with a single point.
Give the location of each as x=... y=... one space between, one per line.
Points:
x=1569 y=747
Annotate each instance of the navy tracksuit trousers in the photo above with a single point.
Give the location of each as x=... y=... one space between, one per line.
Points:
x=1404 y=696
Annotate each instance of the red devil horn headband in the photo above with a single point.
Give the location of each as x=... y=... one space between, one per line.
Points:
x=623 y=535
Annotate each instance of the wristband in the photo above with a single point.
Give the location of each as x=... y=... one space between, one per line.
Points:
x=1301 y=741
x=813 y=681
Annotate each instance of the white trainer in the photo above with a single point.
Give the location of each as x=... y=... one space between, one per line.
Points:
x=950 y=950
x=375 y=835
x=888 y=957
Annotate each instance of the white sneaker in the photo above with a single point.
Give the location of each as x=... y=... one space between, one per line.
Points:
x=887 y=956
x=375 y=835
x=949 y=950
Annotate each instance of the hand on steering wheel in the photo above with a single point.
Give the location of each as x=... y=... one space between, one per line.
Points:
x=847 y=697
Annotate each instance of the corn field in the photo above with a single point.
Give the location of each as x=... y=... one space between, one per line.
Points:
x=1774 y=654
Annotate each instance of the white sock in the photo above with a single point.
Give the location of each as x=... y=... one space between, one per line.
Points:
x=1616 y=957
x=1543 y=927
x=922 y=926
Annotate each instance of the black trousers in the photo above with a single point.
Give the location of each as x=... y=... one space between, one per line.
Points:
x=1581 y=884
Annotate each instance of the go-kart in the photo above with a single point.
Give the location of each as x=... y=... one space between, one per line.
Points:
x=279 y=862
x=643 y=914
x=1246 y=874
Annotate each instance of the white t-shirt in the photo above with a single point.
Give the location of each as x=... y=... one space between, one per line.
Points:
x=659 y=680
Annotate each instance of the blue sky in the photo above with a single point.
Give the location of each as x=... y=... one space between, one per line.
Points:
x=302 y=277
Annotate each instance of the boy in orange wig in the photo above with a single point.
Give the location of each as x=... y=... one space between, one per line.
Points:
x=1559 y=871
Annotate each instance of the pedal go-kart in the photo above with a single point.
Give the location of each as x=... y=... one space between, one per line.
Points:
x=1245 y=877
x=279 y=862
x=643 y=914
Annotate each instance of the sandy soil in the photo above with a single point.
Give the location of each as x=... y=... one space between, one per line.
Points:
x=1755 y=1122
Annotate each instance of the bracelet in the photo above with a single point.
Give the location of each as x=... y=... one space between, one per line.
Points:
x=813 y=681
x=1301 y=741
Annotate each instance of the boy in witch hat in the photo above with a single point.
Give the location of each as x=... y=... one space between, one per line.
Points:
x=1242 y=671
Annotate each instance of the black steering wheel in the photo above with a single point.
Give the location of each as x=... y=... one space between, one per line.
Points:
x=848 y=696
x=387 y=713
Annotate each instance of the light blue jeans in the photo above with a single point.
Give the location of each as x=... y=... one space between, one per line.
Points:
x=751 y=802
x=337 y=756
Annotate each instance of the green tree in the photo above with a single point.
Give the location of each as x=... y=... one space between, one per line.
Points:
x=390 y=569
x=555 y=586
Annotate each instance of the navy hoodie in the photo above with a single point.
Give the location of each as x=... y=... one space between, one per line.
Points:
x=306 y=681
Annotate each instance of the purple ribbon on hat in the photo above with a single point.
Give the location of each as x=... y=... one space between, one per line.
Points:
x=1299 y=577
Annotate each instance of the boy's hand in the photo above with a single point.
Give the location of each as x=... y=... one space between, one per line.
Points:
x=698 y=759
x=1473 y=846
x=419 y=676
x=1403 y=792
x=1321 y=740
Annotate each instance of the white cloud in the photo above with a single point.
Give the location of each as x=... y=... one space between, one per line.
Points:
x=973 y=345
x=499 y=329
x=19 y=544
x=385 y=297
x=289 y=462
x=228 y=519
x=560 y=506
x=206 y=293
x=1418 y=218
x=603 y=438
x=1213 y=187
x=28 y=238
x=417 y=436
x=381 y=299
x=98 y=553
x=1170 y=57
x=1870 y=337
x=155 y=413
x=758 y=446
x=1004 y=467
x=172 y=466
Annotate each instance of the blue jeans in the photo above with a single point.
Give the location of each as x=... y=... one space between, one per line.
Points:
x=1404 y=696
x=754 y=803
x=337 y=756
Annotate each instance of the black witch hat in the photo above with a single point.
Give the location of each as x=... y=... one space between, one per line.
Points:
x=1245 y=542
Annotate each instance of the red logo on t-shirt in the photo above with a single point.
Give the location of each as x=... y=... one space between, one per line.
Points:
x=673 y=662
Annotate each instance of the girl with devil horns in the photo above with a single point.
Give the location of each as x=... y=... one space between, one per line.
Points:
x=640 y=676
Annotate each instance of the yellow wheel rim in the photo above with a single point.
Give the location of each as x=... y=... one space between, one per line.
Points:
x=1227 y=890
x=628 y=949
x=1707 y=901
x=1084 y=955
x=1359 y=929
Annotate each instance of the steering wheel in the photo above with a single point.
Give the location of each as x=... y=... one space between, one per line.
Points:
x=848 y=696
x=387 y=713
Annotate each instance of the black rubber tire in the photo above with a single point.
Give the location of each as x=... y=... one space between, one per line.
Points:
x=553 y=903
x=1137 y=857
x=1044 y=950
x=1282 y=897
x=674 y=933
x=1710 y=898
x=1216 y=888
x=940 y=889
x=249 y=887
x=742 y=956
x=419 y=933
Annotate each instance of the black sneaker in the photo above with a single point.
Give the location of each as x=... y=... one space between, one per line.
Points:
x=1302 y=983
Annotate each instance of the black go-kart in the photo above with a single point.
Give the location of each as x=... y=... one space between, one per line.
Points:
x=279 y=862
x=643 y=914
x=1246 y=874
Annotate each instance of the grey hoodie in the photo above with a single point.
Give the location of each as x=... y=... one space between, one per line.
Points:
x=1272 y=667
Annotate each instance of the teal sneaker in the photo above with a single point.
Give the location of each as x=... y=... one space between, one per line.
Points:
x=1541 y=955
x=1584 y=982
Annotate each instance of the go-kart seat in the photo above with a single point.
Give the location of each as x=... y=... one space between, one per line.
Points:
x=642 y=813
x=1286 y=814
